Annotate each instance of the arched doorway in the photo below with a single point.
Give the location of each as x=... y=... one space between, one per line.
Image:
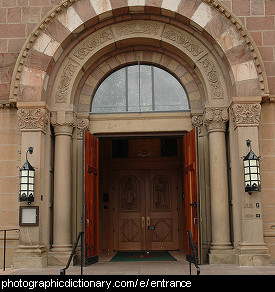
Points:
x=99 y=39
x=143 y=202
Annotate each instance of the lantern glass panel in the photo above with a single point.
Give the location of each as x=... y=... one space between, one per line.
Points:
x=31 y=173
x=254 y=177
x=246 y=163
x=24 y=187
x=24 y=173
x=24 y=180
x=253 y=162
x=254 y=169
x=31 y=180
x=31 y=187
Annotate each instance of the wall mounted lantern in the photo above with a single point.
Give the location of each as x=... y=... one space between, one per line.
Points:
x=251 y=171
x=26 y=193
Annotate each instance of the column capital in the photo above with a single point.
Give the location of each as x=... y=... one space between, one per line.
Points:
x=197 y=119
x=33 y=119
x=245 y=115
x=215 y=119
x=82 y=123
x=63 y=122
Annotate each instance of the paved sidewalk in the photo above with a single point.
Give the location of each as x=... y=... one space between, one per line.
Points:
x=179 y=267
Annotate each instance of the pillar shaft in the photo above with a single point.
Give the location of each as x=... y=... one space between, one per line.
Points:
x=62 y=189
x=63 y=123
x=219 y=191
x=215 y=121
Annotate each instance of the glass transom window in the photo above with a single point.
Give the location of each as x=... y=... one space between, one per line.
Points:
x=140 y=88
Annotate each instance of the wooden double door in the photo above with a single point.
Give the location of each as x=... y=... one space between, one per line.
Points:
x=145 y=209
x=144 y=202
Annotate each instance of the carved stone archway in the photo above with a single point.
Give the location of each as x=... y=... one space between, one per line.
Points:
x=79 y=42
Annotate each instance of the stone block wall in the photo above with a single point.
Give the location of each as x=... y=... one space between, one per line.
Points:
x=10 y=159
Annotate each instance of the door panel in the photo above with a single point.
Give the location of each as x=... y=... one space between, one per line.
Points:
x=145 y=216
x=129 y=210
x=161 y=209
x=90 y=197
x=191 y=189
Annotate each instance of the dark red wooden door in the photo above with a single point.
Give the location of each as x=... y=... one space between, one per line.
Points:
x=90 y=198
x=191 y=187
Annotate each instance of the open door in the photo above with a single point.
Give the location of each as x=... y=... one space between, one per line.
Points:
x=90 y=198
x=191 y=188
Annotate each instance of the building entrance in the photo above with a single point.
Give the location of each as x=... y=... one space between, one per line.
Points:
x=147 y=192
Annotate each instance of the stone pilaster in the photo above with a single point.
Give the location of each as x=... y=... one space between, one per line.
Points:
x=247 y=209
x=33 y=121
x=221 y=251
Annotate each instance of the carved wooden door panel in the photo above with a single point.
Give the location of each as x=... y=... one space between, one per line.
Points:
x=90 y=201
x=129 y=213
x=161 y=211
x=191 y=188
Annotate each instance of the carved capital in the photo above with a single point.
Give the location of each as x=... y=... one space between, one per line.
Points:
x=63 y=122
x=197 y=120
x=33 y=119
x=215 y=119
x=82 y=123
x=245 y=115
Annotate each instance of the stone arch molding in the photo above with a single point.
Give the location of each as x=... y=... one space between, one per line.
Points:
x=156 y=34
x=176 y=66
x=44 y=49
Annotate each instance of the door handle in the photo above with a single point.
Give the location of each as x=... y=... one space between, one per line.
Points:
x=195 y=204
x=142 y=222
x=148 y=221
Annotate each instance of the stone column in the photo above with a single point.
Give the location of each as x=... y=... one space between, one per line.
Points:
x=63 y=123
x=221 y=249
x=247 y=209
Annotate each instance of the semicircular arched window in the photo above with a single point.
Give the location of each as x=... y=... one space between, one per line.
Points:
x=140 y=88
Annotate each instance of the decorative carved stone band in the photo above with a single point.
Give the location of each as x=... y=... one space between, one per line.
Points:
x=246 y=115
x=215 y=119
x=35 y=119
x=97 y=40
x=67 y=74
x=184 y=41
x=212 y=77
x=138 y=27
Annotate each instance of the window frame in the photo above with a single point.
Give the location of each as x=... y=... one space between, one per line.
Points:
x=153 y=99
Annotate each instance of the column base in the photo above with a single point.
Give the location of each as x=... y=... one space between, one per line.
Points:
x=30 y=257
x=253 y=255
x=222 y=257
x=59 y=256
x=222 y=253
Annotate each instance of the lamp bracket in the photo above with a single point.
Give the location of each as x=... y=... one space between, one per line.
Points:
x=30 y=150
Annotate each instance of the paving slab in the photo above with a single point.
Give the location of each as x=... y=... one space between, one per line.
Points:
x=179 y=267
